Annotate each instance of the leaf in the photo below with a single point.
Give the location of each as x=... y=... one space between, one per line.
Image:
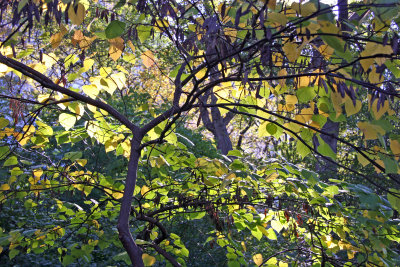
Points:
x=73 y=155
x=291 y=101
x=371 y=131
x=91 y=90
x=148 y=260
x=258 y=259
x=144 y=190
x=301 y=149
x=10 y=161
x=4 y=187
x=13 y=253
x=3 y=122
x=67 y=120
x=44 y=129
x=148 y=58
x=116 y=48
x=395 y=147
x=78 y=16
x=325 y=149
x=144 y=32
x=123 y=256
x=257 y=233
x=276 y=225
x=115 y=29
x=305 y=94
x=55 y=39
x=352 y=109
x=394 y=200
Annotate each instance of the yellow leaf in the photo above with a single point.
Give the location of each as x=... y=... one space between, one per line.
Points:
x=119 y=79
x=67 y=120
x=278 y=18
x=86 y=42
x=37 y=173
x=49 y=60
x=77 y=37
x=258 y=259
x=371 y=49
x=272 y=261
x=117 y=195
x=200 y=74
x=362 y=160
x=271 y=4
x=292 y=51
x=350 y=108
x=55 y=39
x=148 y=58
x=370 y=131
x=144 y=190
x=78 y=16
x=3 y=68
x=326 y=51
x=116 y=48
x=395 y=147
x=148 y=260
x=81 y=162
x=131 y=45
x=231 y=32
x=91 y=90
x=382 y=110
x=291 y=101
x=4 y=187
x=366 y=63
x=307 y=9
x=243 y=246
x=272 y=177
x=375 y=77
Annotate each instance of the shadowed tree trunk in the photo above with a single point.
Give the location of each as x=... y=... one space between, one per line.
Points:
x=331 y=127
x=134 y=252
x=217 y=124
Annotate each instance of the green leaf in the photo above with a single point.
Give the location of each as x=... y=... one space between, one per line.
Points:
x=10 y=161
x=331 y=191
x=272 y=234
x=271 y=128
x=143 y=32
x=325 y=149
x=13 y=253
x=390 y=165
x=3 y=122
x=4 y=150
x=305 y=94
x=115 y=29
x=257 y=233
x=394 y=200
x=44 y=129
x=73 y=155
x=301 y=149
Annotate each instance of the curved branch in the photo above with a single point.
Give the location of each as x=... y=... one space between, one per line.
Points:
x=48 y=83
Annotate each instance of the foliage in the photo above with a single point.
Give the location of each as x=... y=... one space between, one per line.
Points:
x=101 y=138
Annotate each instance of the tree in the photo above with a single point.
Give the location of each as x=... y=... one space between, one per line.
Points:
x=253 y=59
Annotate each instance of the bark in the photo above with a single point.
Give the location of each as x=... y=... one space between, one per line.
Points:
x=217 y=124
x=125 y=236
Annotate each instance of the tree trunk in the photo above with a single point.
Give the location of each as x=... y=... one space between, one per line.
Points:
x=217 y=125
x=134 y=252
